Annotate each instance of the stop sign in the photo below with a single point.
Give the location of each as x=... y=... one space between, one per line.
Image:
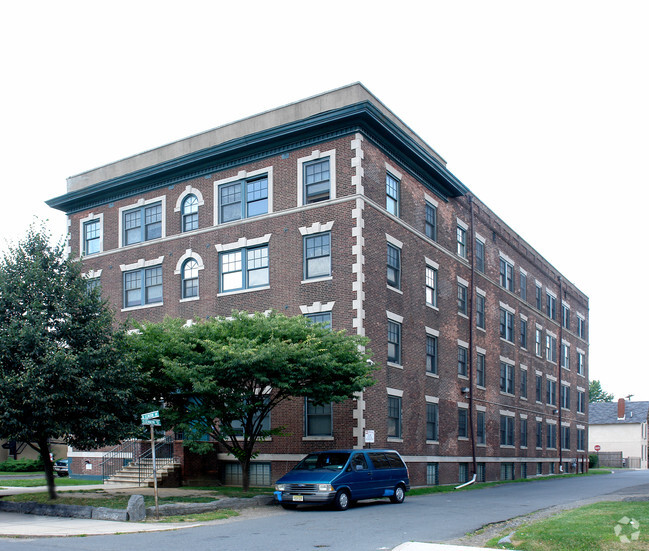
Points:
x=598 y=447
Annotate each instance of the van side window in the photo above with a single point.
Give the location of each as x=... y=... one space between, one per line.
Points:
x=359 y=463
x=379 y=460
x=394 y=460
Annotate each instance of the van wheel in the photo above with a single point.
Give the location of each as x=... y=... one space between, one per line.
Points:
x=342 y=501
x=289 y=506
x=399 y=494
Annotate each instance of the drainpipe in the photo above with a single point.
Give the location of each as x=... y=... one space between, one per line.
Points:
x=467 y=483
x=471 y=330
x=560 y=345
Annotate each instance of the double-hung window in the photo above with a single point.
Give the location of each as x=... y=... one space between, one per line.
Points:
x=462 y=306
x=581 y=439
x=581 y=401
x=318 y=419
x=432 y=421
x=539 y=434
x=392 y=193
x=431 y=354
x=523 y=284
x=506 y=378
x=565 y=316
x=538 y=342
x=142 y=223
x=143 y=286
x=394 y=417
x=317 y=181
x=461 y=241
x=431 y=286
x=479 y=255
x=481 y=433
x=462 y=359
x=244 y=269
x=506 y=325
x=539 y=297
x=552 y=436
x=551 y=392
x=506 y=275
x=480 y=311
x=91 y=237
x=480 y=370
x=462 y=423
x=189 y=276
x=189 y=210
x=506 y=430
x=551 y=301
x=430 y=224
x=320 y=317
x=565 y=396
x=394 y=267
x=523 y=334
x=581 y=327
x=243 y=199
x=523 y=442
x=551 y=348
x=539 y=388
x=317 y=255
x=565 y=356
x=580 y=363
x=523 y=385
x=394 y=342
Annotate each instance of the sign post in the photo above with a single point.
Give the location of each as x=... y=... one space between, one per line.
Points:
x=153 y=420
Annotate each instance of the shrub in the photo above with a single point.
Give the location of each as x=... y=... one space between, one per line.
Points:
x=21 y=465
x=593 y=461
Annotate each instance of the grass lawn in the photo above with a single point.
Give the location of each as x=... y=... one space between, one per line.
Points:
x=15 y=473
x=58 y=481
x=201 y=517
x=596 y=527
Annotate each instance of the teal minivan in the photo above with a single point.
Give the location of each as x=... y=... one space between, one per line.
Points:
x=341 y=477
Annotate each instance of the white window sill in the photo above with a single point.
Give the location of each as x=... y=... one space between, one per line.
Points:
x=462 y=315
x=432 y=442
x=463 y=438
x=394 y=439
x=316 y=279
x=507 y=394
x=317 y=438
x=506 y=341
x=392 y=364
x=242 y=291
x=481 y=329
x=142 y=307
x=507 y=446
x=462 y=377
x=434 y=375
x=190 y=299
x=395 y=289
x=432 y=307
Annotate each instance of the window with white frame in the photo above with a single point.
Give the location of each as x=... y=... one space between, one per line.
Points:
x=431 y=286
x=523 y=383
x=565 y=315
x=581 y=401
x=538 y=342
x=394 y=342
x=507 y=378
x=565 y=355
x=506 y=274
x=565 y=396
x=551 y=348
x=565 y=438
x=462 y=306
x=551 y=303
x=461 y=234
x=317 y=181
x=523 y=284
x=581 y=369
x=318 y=418
x=551 y=392
x=189 y=276
x=392 y=193
x=189 y=213
x=581 y=327
x=92 y=284
x=523 y=334
x=244 y=198
x=317 y=255
x=581 y=439
x=142 y=286
x=91 y=237
x=320 y=317
x=394 y=266
x=142 y=223
x=539 y=296
x=244 y=268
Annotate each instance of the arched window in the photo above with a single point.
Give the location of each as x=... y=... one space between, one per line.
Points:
x=190 y=213
x=190 y=278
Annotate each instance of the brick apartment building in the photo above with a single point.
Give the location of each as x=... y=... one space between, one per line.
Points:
x=333 y=208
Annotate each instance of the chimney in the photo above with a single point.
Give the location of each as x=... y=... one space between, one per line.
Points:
x=620 y=408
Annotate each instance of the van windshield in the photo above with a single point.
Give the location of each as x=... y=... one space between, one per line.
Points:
x=328 y=461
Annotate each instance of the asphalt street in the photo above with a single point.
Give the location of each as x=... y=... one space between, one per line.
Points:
x=372 y=526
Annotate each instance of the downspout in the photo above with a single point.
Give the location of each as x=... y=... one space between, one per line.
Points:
x=560 y=356
x=471 y=330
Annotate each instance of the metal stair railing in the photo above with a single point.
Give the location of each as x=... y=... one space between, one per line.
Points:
x=164 y=455
x=122 y=455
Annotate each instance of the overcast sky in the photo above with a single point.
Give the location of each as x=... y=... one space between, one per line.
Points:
x=540 y=109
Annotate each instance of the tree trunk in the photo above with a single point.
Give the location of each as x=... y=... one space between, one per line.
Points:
x=245 y=474
x=49 y=468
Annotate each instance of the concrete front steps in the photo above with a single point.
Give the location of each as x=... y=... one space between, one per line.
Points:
x=130 y=474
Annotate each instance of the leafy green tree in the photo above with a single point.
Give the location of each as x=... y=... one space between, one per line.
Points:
x=64 y=372
x=221 y=377
x=597 y=394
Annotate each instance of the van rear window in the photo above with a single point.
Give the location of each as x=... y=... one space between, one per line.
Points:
x=395 y=461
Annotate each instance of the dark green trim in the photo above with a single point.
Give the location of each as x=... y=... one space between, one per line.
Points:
x=362 y=117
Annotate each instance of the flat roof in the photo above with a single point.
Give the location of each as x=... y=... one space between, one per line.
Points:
x=345 y=96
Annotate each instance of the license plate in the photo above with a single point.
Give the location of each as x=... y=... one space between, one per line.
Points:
x=298 y=498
